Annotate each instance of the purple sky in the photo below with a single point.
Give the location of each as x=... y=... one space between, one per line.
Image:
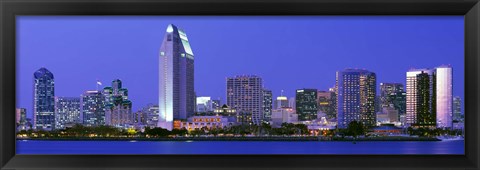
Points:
x=287 y=52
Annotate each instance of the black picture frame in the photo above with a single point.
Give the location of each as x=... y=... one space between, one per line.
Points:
x=9 y=9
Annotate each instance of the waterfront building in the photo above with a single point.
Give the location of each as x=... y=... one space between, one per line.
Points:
x=176 y=78
x=457 y=109
x=283 y=115
x=429 y=97
x=44 y=100
x=306 y=104
x=147 y=116
x=420 y=97
x=204 y=104
x=118 y=109
x=356 y=97
x=152 y=116
x=204 y=122
x=387 y=130
x=267 y=104
x=245 y=94
x=225 y=110
x=92 y=108
x=444 y=97
x=67 y=112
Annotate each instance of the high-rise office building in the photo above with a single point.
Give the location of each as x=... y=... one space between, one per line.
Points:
x=267 y=104
x=393 y=95
x=429 y=97
x=281 y=101
x=387 y=89
x=444 y=96
x=148 y=115
x=67 y=112
x=92 y=108
x=118 y=109
x=457 y=109
x=325 y=100
x=176 y=78
x=399 y=102
x=245 y=94
x=421 y=109
x=356 y=90
x=306 y=104
x=44 y=100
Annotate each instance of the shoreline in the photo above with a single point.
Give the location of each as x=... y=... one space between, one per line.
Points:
x=283 y=139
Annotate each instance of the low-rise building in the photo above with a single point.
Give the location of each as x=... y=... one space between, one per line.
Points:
x=283 y=115
x=207 y=122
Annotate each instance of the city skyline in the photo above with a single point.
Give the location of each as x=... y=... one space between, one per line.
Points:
x=141 y=101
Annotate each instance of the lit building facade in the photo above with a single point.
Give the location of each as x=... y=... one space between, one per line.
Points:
x=325 y=100
x=204 y=104
x=21 y=116
x=444 y=97
x=457 y=109
x=118 y=109
x=420 y=97
x=67 y=112
x=148 y=116
x=267 y=104
x=429 y=97
x=245 y=94
x=44 y=100
x=205 y=122
x=92 y=108
x=281 y=101
x=356 y=97
x=387 y=89
x=306 y=104
x=176 y=78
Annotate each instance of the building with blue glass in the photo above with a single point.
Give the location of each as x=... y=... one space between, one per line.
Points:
x=356 y=97
x=44 y=100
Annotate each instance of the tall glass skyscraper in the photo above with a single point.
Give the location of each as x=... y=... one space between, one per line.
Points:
x=356 y=97
x=415 y=94
x=306 y=104
x=44 y=100
x=429 y=97
x=267 y=104
x=176 y=78
x=245 y=94
x=67 y=111
x=457 y=109
x=444 y=96
x=92 y=108
x=118 y=109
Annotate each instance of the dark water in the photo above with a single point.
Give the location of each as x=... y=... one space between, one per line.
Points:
x=236 y=147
